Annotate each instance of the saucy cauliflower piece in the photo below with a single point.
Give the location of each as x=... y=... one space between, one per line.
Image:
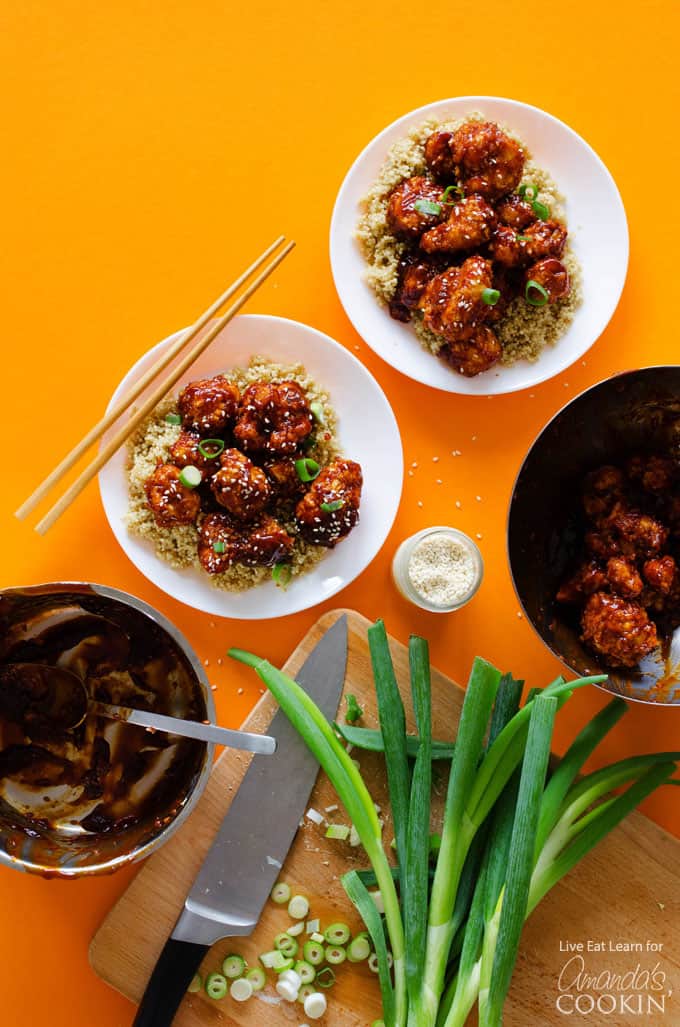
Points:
x=209 y=405
x=171 y=502
x=619 y=631
x=329 y=511
x=239 y=486
x=274 y=417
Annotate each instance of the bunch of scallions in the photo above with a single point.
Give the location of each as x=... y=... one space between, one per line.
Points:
x=511 y=828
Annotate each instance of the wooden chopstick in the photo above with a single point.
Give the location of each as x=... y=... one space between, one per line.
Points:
x=128 y=399
x=154 y=399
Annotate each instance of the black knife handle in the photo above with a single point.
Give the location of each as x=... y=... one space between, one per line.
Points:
x=172 y=975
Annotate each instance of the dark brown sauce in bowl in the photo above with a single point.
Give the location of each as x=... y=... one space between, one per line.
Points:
x=107 y=792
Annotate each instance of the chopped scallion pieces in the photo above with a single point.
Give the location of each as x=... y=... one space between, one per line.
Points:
x=282 y=574
x=312 y=926
x=354 y=711
x=315 y=1005
x=219 y=547
x=313 y=953
x=338 y=832
x=298 y=907
x=541 y=210
x=359 y=948
x=325 y=978
x=307 y=469
x=535 y=294
x=233 y=966
x=336 y=504
x=274 y=960
x=455 y=191
x=528 y=191
x=196 y=984
x=491 y=297
x=522 y=238
x=257 y=978
x=337 y=934
x=280 y=893
x=190 y=476
x=305 y=971
x=287 y=990
x=317 y=412
x=295 y=929
x=427 y=207
x=210 y=448
x=305 y=990
x=287 y=945
x=216 y=986
x=241 y=990
x=335 y=954
x=173 y=419
x=317 y=937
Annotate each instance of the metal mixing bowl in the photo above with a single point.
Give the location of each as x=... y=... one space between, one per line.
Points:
x=62 y=849
x=637 y=411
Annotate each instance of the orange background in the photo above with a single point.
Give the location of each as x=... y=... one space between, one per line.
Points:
x=150 y=151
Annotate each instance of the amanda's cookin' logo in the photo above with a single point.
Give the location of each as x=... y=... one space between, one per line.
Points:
x=641 y=991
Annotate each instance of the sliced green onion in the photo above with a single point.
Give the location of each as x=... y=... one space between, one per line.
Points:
x=287 y=964
x=491 y=297
x=307 y=469
x=210 y=448
x=325 y=978
x=313 y=953
x=541 y=296
x=305 y=971
x=371 y=740
x=317 y=937
x=427 y=207
x=317 y=412
x=338 y=832
x=282 y=574
x=219 y=547
x=295 y=929
x=315 y=1006
x=241 y=990
x=541 y=210
x=528 y=191
x=359 y=948
x=273 y=960
x=335 y=954
x=305 y=990
x=190 y=476
x=216 y=986
x=257 y=978
x=522 y=238
x=354 y=711
x=233 y=966
x=196 y=984
x=456 y=191
x=360 y=896
x=280 y=893
x=336 y=504
x=173 y=419
x=287 y=945
x=288 y=989
x=312 y=926
x=337 y=934
x=298 y=907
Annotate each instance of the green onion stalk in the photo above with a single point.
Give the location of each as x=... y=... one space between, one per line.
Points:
x=320 y=738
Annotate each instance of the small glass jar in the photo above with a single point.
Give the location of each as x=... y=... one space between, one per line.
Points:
x=402 y=561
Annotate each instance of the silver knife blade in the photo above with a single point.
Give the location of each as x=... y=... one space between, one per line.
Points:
x=187 y=728
x=245 y=859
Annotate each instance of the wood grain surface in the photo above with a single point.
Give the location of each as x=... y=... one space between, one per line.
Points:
x=626 y=893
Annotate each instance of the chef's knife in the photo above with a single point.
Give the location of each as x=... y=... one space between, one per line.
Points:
x=238 y=873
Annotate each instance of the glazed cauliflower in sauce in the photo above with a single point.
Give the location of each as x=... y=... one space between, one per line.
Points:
x=330 y=509
x=209 y=405
x=171 y=502
x=274 y=417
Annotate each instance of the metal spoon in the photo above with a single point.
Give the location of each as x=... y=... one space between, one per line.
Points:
x=44 y=697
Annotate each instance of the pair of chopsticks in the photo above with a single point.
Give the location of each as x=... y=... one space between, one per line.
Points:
x=121 y=436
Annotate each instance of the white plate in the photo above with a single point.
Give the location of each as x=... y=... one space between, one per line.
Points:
x=597 y=226
x=368 y=433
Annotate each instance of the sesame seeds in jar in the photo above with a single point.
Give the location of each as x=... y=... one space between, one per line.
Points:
x=438 y=569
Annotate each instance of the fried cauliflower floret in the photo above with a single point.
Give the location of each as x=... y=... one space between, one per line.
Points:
x=656 y=474
x=329 y=511
x=660 y=574
x=274 y=417
x=639 y=534
x=506 y=247
x=515 y=212
x=452 y=302
x=239 y=486
x=603 y=489
x=184 y=452
x=544 y=239
x=209 y=405
x=486 y=159
x=588 y=578
x=171 y=502
x=476 y=354
x=618 y=630
x=552 y=275
x=468 y=226
x=438 y=155
x=414 y=274
x=224 y=542
x=408 y=208
x=602 y=543
x=623 y=577
x=284 y=478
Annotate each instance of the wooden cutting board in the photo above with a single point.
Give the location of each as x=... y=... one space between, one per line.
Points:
x=625 y=893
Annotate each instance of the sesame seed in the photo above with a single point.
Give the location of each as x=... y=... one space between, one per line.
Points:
x=435 y=459
x=213 y=688
x=439 y=481
x=519 y=615
x=410 y=474
x=459 y=504
x=414 y=464
x=479 y=535
x=239 y=691
x=206 y=663
x=420 y=502
x=478 y=498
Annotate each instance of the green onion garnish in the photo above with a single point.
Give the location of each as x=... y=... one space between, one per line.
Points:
x=491 y=297
x=535 y=294
x=210 y=448
x=522 y=238
x=540 y=210
x=173 y=419
x=427 y=207
x=281 y=575
x=190 y=476
x=337 y=504
x=307 y=469
x=219 y=547
x=216 y=986
x=456 y=191
x=316 y=409
x=528 y=191
x=325 y=978
x=354 y=710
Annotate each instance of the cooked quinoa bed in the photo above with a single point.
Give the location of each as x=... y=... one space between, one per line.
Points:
x=178 y=546
x=524 y=330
